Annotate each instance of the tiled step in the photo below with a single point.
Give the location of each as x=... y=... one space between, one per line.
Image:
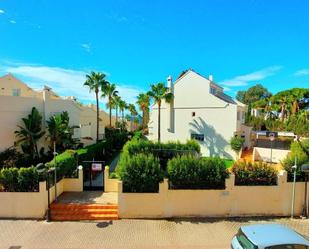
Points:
x=74 y=211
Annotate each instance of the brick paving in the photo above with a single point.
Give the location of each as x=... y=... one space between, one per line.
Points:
x=163 y=234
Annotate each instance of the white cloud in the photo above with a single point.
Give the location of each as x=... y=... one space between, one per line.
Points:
x=65 y=82
x=2 y=11
x=86 y=47
x=12 y=21
x=302 y=72
x=243 y=80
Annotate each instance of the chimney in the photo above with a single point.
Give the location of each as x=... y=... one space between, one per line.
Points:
x=211 y=77
x=169 y=82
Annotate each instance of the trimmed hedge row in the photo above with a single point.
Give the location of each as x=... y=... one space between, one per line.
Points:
x=254 y=174
x=19 y=180
x=188 y=172
x=163 y=151
x=68 y=161
x=140 y=173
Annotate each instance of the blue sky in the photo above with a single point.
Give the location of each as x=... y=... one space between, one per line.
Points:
x=141 y=42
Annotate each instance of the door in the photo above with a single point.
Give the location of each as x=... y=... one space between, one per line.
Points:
x=93 y=175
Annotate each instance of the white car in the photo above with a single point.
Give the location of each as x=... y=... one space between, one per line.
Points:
x=268 y=236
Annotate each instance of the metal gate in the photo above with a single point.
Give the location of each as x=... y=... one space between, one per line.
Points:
x=93 y=175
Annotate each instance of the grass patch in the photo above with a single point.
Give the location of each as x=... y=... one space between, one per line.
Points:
x=228 y=163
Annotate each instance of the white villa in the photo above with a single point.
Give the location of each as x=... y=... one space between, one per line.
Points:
x=17 y=100
x=202 y=111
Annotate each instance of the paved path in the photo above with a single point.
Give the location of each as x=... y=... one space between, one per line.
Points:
x=140 y=234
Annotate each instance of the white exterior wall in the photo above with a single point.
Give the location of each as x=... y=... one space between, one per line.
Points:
x=13 y=109
x=214 y=118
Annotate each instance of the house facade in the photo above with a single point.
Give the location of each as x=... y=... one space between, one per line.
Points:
x=17 y=100
x=200 y=110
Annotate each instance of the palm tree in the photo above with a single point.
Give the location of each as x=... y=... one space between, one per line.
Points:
x=96 y=82
x=110 y=92
x=117 y=100
x=122 y=107
x=133 y=112
x=29 y=134
x=143 y=100
x=158 y=93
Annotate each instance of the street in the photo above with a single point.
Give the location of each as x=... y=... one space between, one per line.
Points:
x=163 y=234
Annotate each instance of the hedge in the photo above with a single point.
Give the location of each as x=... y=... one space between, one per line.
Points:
x=163 y=151
x=253 y=174
x=19 y=180
x=68 y=161
x=188 y=172
x=140 y=173
x=298 y=151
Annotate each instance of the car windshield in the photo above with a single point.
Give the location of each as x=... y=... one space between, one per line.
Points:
x=244 y=241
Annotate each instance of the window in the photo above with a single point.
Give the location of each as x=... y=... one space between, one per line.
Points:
x=238 y=115
x=16 y=92
x=198 y=137
x=244 y=241
x=212 y=90
x=193 y=114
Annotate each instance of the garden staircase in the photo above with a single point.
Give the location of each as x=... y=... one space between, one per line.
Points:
x=84 y=211
x=246 y=155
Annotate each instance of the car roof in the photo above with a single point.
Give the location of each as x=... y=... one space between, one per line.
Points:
x=272 y=234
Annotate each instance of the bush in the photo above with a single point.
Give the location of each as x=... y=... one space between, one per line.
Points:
x=298 y=151
x=163 y=151
x=65 y=164
x=19 y=180
x=251 y=174
x=236 y=143
x=140 y=173
x=188 y=172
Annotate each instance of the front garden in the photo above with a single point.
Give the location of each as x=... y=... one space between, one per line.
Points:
x=143 y=164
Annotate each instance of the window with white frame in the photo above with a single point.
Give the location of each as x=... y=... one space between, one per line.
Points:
x=198 y=137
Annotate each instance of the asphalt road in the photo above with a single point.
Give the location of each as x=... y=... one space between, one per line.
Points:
x=146 y=234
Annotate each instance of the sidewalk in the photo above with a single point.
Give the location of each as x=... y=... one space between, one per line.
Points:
x=174 y=233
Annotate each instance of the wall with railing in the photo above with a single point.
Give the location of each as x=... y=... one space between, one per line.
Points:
x=232 y=201
x=34 y=204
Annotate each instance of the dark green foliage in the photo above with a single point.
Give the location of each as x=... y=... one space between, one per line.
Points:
x=298 y=151
x=19 y=180
x=28 y=179
x=236 y=143
x=188 y=172
x=65 y=163
x=140 y=173
x=164 y=151
x=252 y=174
x=29 y=134
x=60 y=132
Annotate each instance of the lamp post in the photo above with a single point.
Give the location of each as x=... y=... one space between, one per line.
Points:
x=55 y=171
x=305 y=169
x=271 y=138
x=294 y=167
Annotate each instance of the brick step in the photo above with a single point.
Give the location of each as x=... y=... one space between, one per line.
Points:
x=83 y=211
x=84 y=217
x=77 y=211
x=72 y=206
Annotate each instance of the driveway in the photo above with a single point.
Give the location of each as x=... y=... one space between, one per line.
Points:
x=163 y=234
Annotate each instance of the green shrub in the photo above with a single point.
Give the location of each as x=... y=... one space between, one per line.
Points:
x=65 y=164
x=163 y=151
x=251 y=174
x=9 y=179
x=298 y=151
x=28 y=179
x=19 y=180
x=188 y=172
x=140 y=173
x=236 y=143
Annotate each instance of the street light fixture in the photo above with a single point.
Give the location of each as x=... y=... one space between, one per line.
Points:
x=305 y=169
